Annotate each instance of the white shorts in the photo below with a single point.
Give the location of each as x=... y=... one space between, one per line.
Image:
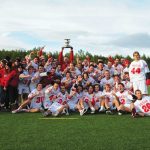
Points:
x=72 y=106
x=54 y=107
x=97 y=104
x=35 y=105
x=127 y=105
x=110 y=104
x=140 y=85
x=47 y=103
x=86 y=106
x=23 y=89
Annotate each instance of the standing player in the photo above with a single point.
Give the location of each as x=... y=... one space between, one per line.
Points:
x=141 y=105
x=35 y=99
x=137 y=71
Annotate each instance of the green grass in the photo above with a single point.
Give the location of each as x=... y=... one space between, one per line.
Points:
x=95 y=132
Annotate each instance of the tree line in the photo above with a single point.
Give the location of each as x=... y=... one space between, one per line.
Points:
x=13 y=54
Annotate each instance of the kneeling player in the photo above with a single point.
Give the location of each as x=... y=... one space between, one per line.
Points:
x=35 y=99
x=141 y=106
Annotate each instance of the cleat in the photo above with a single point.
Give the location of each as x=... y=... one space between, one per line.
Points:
x=133 y=114
x=16 y=111
x=55 y=114
x=45 y=114
x=109 y=112
x=102 y=109
x=92 y=110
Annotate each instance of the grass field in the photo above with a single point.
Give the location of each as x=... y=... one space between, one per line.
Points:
x=95 y=132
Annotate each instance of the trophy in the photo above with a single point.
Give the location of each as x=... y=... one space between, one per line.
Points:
x=67 y=44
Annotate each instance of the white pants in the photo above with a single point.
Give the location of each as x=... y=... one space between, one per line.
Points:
x=54 y=107
x=140 y=85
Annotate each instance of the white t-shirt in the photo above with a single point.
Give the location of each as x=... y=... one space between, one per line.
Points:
x=105 y=81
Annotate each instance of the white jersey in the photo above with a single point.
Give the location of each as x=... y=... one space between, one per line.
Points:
x=34 y=65
x=90 y=79
x=50 y=92
x=126 y=70
x=109 y=95
x=99 y=72
x=124 y=97
x=118 y=69
x=89 y=98
x=38 y=99
x=74 y=99
x=67 y=81
x=98 y=95
x=137 y=70
x=143 y=105
x=111 y=70
x=128 y=85
x=58 y=103
x=35 y=82
x=85 y=68
x=104 y=81
x=61 y=97
x=75 y=72
x=24 y=83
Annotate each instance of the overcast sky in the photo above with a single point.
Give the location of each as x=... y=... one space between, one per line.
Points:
x=105 y=27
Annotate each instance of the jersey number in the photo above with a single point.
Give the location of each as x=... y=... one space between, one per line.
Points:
x=146 y=107
x=122 y=101
x=39 y=99
x=137 y=70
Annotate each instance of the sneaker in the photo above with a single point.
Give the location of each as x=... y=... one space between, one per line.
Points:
x=109 y=112
x=16 y=111
x=55 y=114
x=81 y=112
x=65 y=111
x=133 y=114
x=120 y=112
x=45 y=114
x=85 y=110
x=102 y=109
x=92 y=110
